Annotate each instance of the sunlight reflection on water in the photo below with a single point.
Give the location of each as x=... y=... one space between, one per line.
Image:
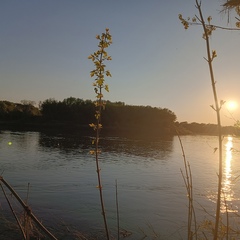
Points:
x=229 y=197
x=228 y=192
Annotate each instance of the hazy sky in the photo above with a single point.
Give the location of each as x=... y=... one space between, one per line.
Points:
x=44 y=45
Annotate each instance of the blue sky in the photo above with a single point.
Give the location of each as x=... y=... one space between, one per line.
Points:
x=44 y=47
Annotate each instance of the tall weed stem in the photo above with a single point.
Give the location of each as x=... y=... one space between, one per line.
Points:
x=99 y=72
x=217 y=109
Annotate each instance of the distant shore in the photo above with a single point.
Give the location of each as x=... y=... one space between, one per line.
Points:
x=119 y=119
x=182 y=128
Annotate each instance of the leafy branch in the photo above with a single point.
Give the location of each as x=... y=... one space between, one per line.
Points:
x=99 y=57
x=195 y=21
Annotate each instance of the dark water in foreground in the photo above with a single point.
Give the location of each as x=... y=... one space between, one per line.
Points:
x=151 y=191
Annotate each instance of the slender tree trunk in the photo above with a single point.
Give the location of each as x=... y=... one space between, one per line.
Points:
x=217 y=109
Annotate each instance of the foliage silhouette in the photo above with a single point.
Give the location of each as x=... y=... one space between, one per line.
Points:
x=118 y=117
x=14 y=111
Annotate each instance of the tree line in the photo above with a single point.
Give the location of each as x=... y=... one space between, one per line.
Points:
x=10 y=111
x=205 y=129
x=116 y=117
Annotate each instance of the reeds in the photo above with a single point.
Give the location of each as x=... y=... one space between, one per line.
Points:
x=187 y=177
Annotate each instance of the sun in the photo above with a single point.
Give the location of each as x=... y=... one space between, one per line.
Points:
x=232 y=105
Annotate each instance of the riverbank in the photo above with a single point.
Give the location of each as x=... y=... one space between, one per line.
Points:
x=40 y=125
x=183 y=128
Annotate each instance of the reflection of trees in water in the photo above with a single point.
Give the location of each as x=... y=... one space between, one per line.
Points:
x=64 y=141
x=156 y=148
x=141 y=147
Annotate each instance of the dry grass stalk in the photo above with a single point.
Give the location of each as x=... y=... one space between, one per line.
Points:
x=28 y=210
x=188 y=184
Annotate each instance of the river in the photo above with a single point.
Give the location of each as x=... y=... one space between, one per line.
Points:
x=151 y=192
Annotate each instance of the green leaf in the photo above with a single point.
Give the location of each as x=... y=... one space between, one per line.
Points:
x=100 y=82
x=108 y=73
x=92 y=73
x=209 y=19
x=106 y=88
x=214 y=54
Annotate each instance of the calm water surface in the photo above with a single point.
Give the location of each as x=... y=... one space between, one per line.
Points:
x=151 y=191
